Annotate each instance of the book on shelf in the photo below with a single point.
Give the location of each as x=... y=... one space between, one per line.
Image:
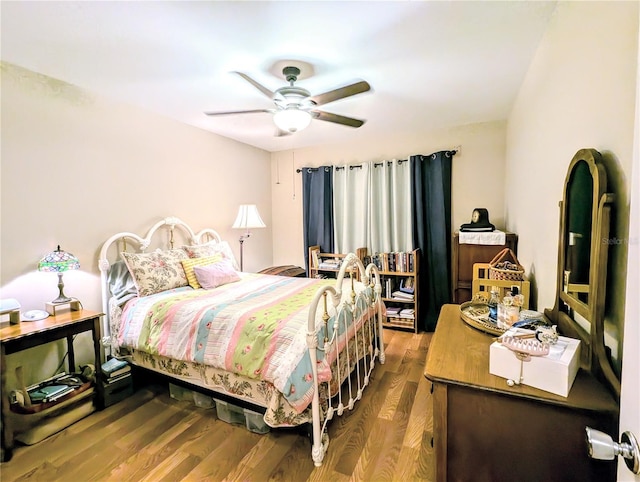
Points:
x=330 y=263
x=407 y=313
x=401 y=295
x=315 y=262
x=399 y=262
x=399 y=321
x=393 y=310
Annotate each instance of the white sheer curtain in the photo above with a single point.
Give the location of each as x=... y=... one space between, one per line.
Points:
x=351 y=187
x=372 y=207
x=390 y=213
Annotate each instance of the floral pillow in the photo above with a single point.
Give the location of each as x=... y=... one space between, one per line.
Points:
x=157 y=271
x=217 y=274
x=190 y=263
x=211 y=248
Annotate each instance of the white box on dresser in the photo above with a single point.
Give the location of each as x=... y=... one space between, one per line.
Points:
x=553 y=373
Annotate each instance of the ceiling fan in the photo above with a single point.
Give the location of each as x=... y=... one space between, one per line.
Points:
x=295 y=106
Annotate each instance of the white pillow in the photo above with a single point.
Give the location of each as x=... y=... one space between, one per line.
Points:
x=216 y=274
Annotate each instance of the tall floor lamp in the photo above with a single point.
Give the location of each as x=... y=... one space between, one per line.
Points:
x=248 y=217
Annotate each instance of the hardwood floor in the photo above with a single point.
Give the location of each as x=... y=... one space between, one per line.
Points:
x=152 y=437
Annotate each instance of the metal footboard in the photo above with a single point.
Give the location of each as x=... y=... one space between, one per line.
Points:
x=353 y=345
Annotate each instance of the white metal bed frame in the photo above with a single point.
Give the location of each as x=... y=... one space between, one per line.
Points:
x=326 y=294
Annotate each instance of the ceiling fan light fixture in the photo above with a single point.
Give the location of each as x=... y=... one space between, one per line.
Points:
x=292 y=119
x=295 y=107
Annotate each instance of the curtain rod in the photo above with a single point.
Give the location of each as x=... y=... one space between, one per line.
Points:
x=326 y=169
x=338 y=168
x=450 y=153
x=400 y=161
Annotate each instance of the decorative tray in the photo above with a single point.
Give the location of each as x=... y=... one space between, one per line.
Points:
x=476 y=314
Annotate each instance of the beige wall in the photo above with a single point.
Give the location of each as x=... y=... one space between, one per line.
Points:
x=77 y=168
x=477 y=175
x=579 y=92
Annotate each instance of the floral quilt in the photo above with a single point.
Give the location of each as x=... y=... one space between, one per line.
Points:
x=255 y=327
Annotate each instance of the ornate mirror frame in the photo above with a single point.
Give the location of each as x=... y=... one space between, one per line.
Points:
x=582 y=273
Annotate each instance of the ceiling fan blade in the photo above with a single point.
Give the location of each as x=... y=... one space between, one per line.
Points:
x=229 y=112
x=256 y=84
x=336 y=118
x=341 y=93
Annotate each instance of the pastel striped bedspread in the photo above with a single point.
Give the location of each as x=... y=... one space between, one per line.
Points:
x=255 y=327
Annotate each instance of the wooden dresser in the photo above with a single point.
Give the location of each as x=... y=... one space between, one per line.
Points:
x=463 y=258
x=485 y=430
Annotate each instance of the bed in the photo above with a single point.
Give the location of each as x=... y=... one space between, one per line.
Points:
x=301 y=349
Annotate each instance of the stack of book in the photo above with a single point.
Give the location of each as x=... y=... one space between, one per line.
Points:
x=401 y=295
x=331 y=263
x=408 y=313
x=393 y=311
x=400 y=316
x=114 y=370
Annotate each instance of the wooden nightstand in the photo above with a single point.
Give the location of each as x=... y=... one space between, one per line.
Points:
x=28 y=334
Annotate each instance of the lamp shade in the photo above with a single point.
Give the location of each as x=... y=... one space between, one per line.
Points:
x=292 y=119
x=58 y=261
x=248 y=217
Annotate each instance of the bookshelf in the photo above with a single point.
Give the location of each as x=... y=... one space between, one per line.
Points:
x=399 y=276
x=327 y=265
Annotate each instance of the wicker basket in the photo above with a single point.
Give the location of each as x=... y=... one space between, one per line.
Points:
x=503 y=268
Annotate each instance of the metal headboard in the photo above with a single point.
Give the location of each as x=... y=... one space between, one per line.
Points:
x=140 y=244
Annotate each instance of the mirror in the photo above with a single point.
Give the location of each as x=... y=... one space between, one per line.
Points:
x=579 y=206
x=585 y=212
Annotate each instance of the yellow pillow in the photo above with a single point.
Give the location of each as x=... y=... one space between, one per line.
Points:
x=189 y=264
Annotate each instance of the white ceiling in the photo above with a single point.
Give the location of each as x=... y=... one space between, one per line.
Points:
x=430 y=63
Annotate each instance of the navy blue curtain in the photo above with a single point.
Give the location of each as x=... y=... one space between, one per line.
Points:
x=317 y=209
x=431 y=198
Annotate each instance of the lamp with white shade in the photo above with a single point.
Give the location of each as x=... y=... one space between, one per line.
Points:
x=248 y=218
